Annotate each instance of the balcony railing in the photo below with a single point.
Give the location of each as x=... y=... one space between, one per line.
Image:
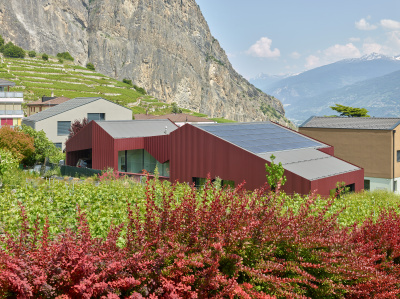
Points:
x=11 y=112
x=11 y=94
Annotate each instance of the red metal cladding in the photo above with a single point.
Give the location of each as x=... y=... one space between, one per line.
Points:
x=324 y=185
x=82 y=140
x=328 y=150
x=196 y=153
x=158 y=147
x=103 y=149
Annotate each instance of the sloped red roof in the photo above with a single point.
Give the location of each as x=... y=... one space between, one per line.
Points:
x=52 y=102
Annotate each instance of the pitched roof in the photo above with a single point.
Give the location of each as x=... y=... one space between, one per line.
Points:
x=61 y=108
x=310 y=163
x=298 y=153
x=361 y=123
x=137 y=128
x=260 y=137
x=6 y=83
x=175 y=117
x=55 y=101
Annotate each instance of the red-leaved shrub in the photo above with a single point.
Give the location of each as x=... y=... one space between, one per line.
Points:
x=222 y=244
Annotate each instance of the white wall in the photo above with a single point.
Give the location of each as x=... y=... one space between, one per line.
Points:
x=112 y=112
x=385 y=184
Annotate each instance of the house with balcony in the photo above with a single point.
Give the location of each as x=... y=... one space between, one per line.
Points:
x=10 y=104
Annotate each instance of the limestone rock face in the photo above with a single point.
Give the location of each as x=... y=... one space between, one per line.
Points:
x=164 y=46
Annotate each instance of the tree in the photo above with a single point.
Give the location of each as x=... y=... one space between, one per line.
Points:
x=11 y=50
x=65 y=55
x=350 y=111
x=43 y=147
x=17 y=142
x=45 y=57
x=32 y=53
x=275 y=177
x=76 y=126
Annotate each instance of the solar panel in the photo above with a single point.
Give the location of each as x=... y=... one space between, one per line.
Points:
x=260 y=137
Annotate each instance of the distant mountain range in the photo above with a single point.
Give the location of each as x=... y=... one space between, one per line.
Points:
x=370 y=82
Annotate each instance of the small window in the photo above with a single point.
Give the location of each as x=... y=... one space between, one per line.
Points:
x=96 y=116
x=58 y=145
x=367 y=184
x=398 y=156
x=63 y=128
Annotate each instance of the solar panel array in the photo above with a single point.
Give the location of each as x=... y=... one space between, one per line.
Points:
x=260 y=137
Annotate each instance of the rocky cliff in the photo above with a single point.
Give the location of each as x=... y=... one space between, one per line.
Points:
x=164 y=46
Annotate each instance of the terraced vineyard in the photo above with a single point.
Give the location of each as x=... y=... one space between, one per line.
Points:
x=36 y=78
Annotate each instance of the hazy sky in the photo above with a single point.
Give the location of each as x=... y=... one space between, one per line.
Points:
x=290 y=36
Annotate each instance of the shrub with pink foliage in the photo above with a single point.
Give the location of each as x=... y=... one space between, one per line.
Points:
x=224 y=243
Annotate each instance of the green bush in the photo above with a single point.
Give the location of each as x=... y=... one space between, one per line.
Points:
x=127 y=81
x=65 y=55
x=11 y=50
x=45 y=57
x=90 y=66
x=32 y=54
x=1 y=41
x=140 y=89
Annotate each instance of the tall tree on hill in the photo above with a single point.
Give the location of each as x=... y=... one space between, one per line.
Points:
x=350 y=111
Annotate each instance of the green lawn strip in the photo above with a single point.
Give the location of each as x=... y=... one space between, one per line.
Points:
x=222 y=120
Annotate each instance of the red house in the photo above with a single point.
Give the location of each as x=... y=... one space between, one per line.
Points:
x=233 y=152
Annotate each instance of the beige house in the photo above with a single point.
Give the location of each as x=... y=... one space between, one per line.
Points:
x=369 y=142
x=56 y=121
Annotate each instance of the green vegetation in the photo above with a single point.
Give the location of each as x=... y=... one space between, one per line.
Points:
x=268 y=110
x=175 y=108
x=90 y=66
x=222 y=120
x=32 y=54
x=127 y=81
x=275 y=177
x=211 y=57
x=45 y=57
x=65 y=55
x=13 y=51
x=350 y=111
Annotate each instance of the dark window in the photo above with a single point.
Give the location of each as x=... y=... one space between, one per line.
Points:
x=58 y=145
x=398 y=156
x=367 y=184
x=96 y=116
x=63 y=127
x=199 y=182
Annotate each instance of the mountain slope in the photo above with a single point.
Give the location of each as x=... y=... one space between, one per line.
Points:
x=380 y=96
x=313 y=91
x=164 y=46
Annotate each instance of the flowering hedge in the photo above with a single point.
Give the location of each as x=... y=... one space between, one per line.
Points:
x=224 y=243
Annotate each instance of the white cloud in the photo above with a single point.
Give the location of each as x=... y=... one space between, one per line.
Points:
x=364 y=25
x=312 y=62
x=295 y=55
x=390 y=24
x=338 y=52
x=369 y=48
x=262 y=48
x=332 y=54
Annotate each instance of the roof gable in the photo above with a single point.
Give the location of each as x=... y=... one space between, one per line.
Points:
x=6 y=83
x=360 y=123
x=63 y=107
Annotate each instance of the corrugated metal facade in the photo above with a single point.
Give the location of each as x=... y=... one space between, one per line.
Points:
x=195 y=153
x=159 y=147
